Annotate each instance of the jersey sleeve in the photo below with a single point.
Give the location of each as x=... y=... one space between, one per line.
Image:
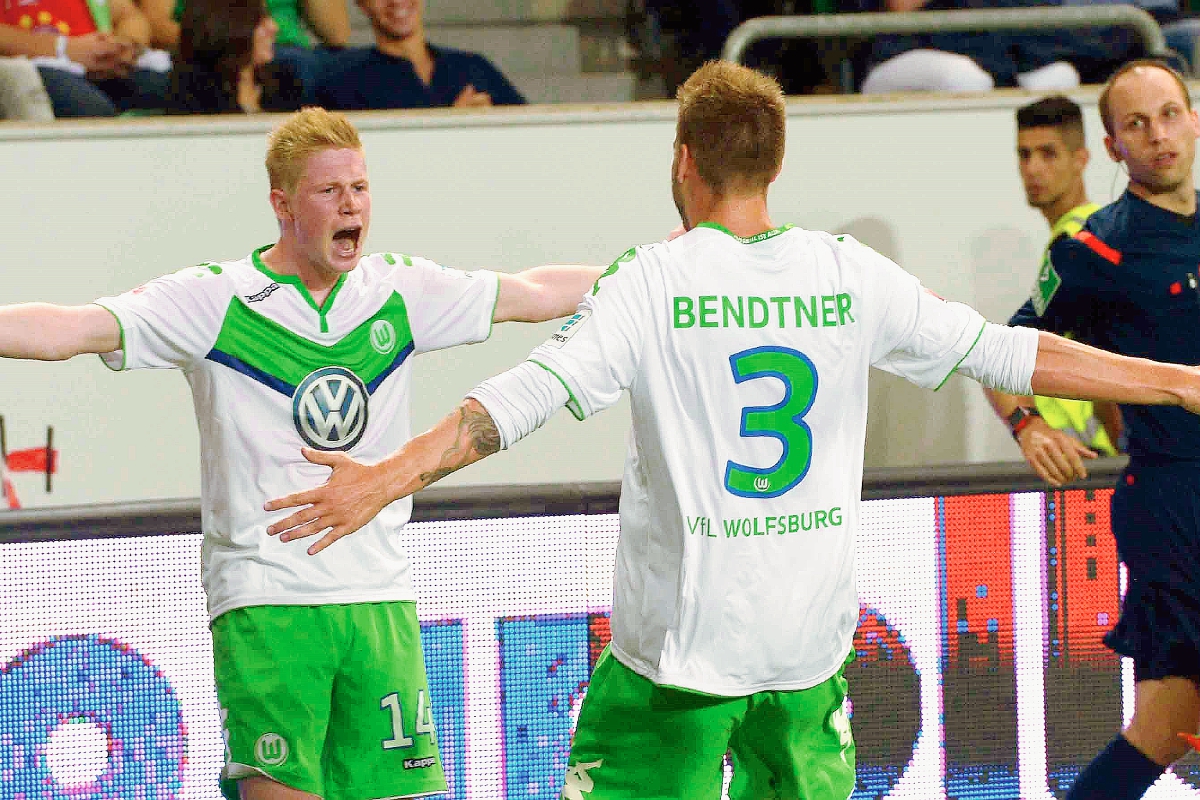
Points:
x=1073 y=277
x=597 y=351
x=451 y=306
x=171 y=321
x=919 y=336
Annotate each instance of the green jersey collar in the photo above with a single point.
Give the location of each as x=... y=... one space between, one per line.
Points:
x=755 y=239
x=294 y=280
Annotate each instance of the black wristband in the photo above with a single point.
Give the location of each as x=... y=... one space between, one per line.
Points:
x=1019 y=418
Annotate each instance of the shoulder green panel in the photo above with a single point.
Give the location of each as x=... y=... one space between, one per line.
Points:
x=624 y=258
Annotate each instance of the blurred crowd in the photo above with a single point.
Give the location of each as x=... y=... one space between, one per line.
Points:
x=95 y=58
x=680 y=36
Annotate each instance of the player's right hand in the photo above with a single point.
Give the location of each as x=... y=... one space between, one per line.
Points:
x=1055 y=456
x=96 y=52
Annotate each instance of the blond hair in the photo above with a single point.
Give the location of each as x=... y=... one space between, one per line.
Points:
x=732 y=120
x=302 y=134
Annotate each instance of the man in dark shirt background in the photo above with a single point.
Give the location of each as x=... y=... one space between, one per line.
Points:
x=1130 y=279
x=403 y=70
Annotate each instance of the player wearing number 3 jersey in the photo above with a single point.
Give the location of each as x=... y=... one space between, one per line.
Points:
x=745 y=350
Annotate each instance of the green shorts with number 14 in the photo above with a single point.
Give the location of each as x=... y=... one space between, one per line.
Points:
x=329 y=699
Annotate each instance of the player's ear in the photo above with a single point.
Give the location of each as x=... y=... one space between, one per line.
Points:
x=1082 y=157
x=1115 y=151
x=280 y=204
x=683 y=163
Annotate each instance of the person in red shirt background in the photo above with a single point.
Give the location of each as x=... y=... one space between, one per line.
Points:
x=90 y=55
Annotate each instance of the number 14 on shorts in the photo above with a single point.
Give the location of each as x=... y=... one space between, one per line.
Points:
x=424 y=720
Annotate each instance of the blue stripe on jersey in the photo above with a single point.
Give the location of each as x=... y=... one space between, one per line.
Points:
x=266 y=379
x=286 y=389
x=400 y=358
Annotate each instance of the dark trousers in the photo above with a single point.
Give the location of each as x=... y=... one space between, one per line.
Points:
x=78 y=96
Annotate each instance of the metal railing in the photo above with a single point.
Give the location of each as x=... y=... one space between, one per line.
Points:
x=872 y=23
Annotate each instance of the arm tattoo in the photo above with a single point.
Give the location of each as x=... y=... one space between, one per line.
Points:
x=477 y=436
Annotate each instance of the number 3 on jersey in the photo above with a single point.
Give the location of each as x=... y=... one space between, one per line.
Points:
x=782 y=421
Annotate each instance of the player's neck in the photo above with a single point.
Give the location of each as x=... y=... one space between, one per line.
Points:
x=283 y=260
x=1074 y=198
x=1180 y=199
x=741 y=215
x=412 y=48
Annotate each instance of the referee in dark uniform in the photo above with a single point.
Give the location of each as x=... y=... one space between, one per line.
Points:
x=1130 y=279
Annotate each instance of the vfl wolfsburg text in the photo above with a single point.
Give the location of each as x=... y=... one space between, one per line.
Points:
x=778 y=524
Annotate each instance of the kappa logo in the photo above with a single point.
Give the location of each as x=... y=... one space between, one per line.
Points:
x=419 y=763
x=569 y=328
x=329 y=409
x=271 y=749
x=264 y=294
x=383 y=336
x=578 y=782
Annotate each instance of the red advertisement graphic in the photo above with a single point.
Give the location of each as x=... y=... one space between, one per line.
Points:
x=33 y=459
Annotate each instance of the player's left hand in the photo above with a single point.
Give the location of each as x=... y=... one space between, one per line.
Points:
x=349 y=499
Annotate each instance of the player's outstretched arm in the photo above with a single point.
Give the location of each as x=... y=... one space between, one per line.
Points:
x=356 y=492
x=1067 y=368
x=1055 y=456
x=543 y=293
x=48 y=332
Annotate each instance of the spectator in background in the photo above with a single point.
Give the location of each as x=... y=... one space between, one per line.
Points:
x=91 y=67
x=328 y=19
x=403 y=70
x=1055 y=435
x=674 y=38
x=22 y=94
x=225 y=63
x=970 y=61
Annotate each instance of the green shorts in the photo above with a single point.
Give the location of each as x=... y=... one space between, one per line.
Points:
x=637 y=740
x=329 y=699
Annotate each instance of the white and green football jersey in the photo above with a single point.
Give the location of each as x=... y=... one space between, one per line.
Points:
x=272 y=372
x=746 y=361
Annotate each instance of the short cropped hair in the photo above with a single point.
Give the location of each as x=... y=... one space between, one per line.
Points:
x=1106 y=112
x=302 y=134
x=1055 y=111
x=732 y=120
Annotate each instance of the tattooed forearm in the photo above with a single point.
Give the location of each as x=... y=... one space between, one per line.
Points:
x=476 y=437
x=484 y=436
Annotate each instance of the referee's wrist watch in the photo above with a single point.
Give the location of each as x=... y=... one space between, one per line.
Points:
x=1019 y=418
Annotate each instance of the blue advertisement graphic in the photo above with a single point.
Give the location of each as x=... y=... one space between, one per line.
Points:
x=442 y=642
x=88 y=684
x=544 y=670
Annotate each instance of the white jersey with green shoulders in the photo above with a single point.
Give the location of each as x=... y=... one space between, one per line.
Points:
x=271 y=372
x=746 y=362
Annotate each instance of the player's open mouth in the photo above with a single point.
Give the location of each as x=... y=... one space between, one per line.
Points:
x=345 y=241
